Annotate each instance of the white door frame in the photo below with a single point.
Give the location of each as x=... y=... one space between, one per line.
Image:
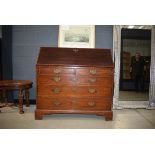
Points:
x=116 y=58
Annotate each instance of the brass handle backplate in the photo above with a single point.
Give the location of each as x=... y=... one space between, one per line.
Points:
x=93 y=71
x=56 y=90
x=57 y=70
x=92 y=80
x=56 y=79
x=91 y=90
x=56 y=103
x=91 y=104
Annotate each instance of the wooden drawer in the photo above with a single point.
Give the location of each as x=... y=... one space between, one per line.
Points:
x=74 y=103
x=54 y=70
x=72 y=80
x=53 y=103
x=57 y=79
x=94 y=71
x=58 y=91
x=94 y=81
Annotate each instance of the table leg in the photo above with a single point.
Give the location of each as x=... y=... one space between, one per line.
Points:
x=20 y=100
x=27 y=97
x=1 y=97
x=4 y=96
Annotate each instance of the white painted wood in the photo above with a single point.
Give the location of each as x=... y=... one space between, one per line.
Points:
x=116 y=59
x=152 y=70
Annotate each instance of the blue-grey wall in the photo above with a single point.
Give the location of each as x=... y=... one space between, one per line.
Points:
x=104 y=36
x=28 y=39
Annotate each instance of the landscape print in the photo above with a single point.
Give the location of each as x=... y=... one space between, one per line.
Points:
x=77 y=36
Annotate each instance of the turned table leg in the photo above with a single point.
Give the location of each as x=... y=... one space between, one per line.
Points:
x=1 y=97
x=27 y=97
x=20 y=100
x=4 y=96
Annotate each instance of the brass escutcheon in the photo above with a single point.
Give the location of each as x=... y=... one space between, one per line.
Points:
x=91 y=90
x=57 y=70
x=92 y=71
x=56 y=103
x=56 y=79
x=74 y=79
x=92 y=80
x=56 y=90
x=91 y=104
x=75 y=50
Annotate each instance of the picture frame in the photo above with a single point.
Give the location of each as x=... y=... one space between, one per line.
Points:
x=77 y=36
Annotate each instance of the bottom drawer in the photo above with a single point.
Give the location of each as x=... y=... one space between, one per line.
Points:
x=96 y=103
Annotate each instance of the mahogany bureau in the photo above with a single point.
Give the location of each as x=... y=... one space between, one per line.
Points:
x=74 y=81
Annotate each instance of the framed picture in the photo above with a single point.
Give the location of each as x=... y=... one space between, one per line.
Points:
x=78 y=36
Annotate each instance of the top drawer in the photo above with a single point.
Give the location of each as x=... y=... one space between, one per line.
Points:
x=55 y=70
x=94 y=71
x=80 y=71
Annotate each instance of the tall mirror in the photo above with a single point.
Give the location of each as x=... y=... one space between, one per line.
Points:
x=135 y=63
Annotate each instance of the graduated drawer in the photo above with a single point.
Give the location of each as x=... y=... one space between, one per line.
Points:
x=71 y=80
x=94 y=71
x=57 y=79
x=59 y=91
x=55 y=70
x=74 y=103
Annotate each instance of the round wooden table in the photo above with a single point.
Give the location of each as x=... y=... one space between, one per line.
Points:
x=22 y=86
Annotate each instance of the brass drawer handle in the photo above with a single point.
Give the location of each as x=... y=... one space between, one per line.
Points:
x=92 y=71
x=92 y=80
x=91 y=90
x=57 y=70
x=56 y=90
x=56 y=103
x=56 y=79
x=91 y=104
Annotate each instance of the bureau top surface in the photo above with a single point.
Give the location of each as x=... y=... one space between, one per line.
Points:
x=75 y=57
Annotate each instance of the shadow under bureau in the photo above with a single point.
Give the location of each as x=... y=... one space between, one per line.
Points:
x=74 y=81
